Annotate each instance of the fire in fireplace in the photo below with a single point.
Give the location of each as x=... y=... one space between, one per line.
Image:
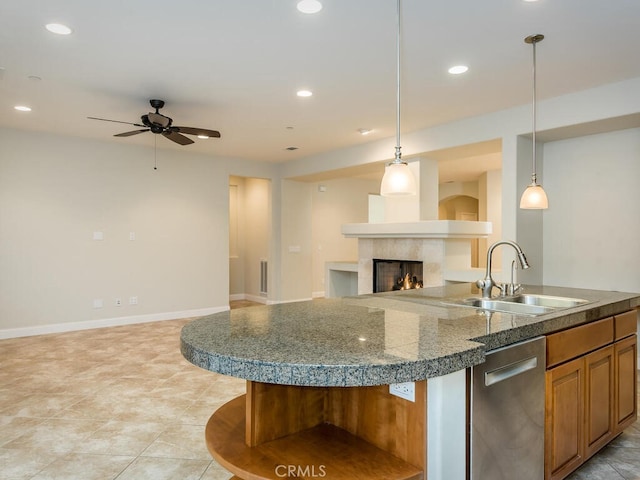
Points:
x=391 y=275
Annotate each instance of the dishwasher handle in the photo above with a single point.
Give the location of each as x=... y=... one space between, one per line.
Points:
x=508 y=371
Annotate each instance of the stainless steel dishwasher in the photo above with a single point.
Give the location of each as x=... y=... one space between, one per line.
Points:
x=507 y=413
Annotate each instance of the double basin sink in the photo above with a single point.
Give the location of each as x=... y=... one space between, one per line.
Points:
x=523 y=304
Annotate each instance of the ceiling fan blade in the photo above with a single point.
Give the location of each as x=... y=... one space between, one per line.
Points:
x=116 y=121
x=134 y=132
x=176 y=137
x=159 y=119
x=198 y=131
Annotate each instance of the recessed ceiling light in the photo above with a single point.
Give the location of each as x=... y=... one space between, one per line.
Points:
x=58 y=28
x=309 y=6
x=22 y=108
x=458 y=69
x=365 y=131
x=304 y=93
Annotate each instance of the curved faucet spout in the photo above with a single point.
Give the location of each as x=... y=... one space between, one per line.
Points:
x=487 y=284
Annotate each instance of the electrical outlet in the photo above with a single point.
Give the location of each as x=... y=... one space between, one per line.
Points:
x=118 y=302
x=406 y=390
x=97 y=303
x=133 y=300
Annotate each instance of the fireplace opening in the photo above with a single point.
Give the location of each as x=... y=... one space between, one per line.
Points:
x=389 y=275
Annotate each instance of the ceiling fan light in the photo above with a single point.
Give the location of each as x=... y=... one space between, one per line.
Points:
x=534 y=198
x=398 y=180
x=203 y=137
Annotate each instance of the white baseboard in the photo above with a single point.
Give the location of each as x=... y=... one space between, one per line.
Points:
x=256 y=298
x=106 y=322
x=248 y=296
x=275 y=302
x=317 y=294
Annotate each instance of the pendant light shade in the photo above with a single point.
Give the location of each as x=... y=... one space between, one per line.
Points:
x=534 y=196
x=398 y=178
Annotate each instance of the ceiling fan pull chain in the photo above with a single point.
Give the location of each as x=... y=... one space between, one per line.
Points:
x=155 y=152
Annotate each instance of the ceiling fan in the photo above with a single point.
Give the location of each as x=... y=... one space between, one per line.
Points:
x=157 y=123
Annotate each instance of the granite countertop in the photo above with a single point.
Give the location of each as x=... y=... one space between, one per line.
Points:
x=375 y=339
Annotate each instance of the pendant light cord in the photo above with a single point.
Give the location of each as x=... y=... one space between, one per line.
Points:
x=533 y=175
x=533 y=39
x=398 y=154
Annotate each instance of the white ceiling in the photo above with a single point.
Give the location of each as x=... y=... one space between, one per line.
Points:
x=235 y=65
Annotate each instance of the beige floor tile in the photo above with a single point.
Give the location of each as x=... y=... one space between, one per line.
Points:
x=199 y=412
x=41 y=405
x=85 y=467
x=121 y=438
x=151 y=468
x=16 y=464
x=55 y=436
x=14 y=427
x=180 y=441
x=216 y=472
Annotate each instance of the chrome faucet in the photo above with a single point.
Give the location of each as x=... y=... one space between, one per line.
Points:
x=487 y=284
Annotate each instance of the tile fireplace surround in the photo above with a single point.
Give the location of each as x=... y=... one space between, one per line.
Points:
x=439 y=244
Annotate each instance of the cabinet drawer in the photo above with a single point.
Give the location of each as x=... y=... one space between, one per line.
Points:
x=572 y=343
x=625 y=324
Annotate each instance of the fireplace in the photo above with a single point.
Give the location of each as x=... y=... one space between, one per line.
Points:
x=391 y=275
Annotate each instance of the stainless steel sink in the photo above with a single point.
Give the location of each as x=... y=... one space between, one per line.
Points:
x=500 y=305
x=547 y=300
x=523 y=304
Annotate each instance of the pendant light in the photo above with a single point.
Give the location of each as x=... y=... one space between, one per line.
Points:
x=398 y=178
x=534 y=196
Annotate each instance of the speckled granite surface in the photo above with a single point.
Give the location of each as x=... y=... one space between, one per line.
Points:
x=375 y=339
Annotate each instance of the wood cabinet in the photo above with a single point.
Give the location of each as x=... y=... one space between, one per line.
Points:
x=598 y=400
x=626 y=402
x=564 y=414
x=591 y=390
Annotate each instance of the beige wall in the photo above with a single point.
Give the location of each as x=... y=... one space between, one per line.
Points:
x=490 y=210
x=296 y=241
x=342 y=201
x=55 y=192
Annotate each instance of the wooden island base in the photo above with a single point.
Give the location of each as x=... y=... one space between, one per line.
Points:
x=278 y=431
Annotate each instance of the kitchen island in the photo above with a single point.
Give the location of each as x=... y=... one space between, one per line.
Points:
x=318 y=402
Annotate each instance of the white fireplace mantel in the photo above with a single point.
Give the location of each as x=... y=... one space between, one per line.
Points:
x=423 y=229
x=441 y=245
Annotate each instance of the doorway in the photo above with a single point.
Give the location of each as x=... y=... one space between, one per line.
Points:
x=249 y=238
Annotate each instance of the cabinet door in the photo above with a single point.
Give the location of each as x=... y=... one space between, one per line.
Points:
x=564 y=419
x=625 y=403
x=599 y=426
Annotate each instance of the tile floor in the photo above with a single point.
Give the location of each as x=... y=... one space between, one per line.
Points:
x=122 y=403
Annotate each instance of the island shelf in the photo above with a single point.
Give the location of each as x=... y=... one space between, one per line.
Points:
x=278 y=431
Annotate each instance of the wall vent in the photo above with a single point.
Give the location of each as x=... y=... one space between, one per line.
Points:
x=263 y=277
